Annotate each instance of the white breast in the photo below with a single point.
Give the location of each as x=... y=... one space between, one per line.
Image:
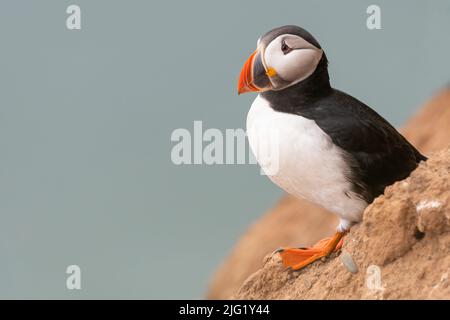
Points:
x=300 y=158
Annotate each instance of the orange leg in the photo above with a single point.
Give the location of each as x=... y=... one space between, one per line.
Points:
x=297 y=258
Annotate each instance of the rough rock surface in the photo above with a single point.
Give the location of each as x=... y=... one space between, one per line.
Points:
x=401 y=249
x=296 y=222
x=283 y=220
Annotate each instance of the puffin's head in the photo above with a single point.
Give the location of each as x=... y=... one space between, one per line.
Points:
x=284 y=56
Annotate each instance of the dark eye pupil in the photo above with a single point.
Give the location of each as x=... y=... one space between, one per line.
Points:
x=284 y=47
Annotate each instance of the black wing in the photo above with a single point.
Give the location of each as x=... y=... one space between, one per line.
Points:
x=379 y=155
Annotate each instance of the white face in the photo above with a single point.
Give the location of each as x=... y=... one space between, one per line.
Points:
x=292 y=58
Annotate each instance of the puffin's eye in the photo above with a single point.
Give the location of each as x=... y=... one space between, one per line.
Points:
x=285 y=48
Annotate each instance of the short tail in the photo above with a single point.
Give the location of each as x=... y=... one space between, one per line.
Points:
x=420 y=157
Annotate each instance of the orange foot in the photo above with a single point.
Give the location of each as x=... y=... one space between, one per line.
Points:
x=297 y=258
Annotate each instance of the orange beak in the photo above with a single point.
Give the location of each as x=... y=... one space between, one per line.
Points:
x=245 y=83
x=254 y=76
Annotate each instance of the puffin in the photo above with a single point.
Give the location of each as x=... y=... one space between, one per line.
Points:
x=314 y=141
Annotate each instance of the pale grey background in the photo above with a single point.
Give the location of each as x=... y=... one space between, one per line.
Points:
x=86 y=118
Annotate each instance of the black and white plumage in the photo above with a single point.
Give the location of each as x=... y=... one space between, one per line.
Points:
x=331 y=148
